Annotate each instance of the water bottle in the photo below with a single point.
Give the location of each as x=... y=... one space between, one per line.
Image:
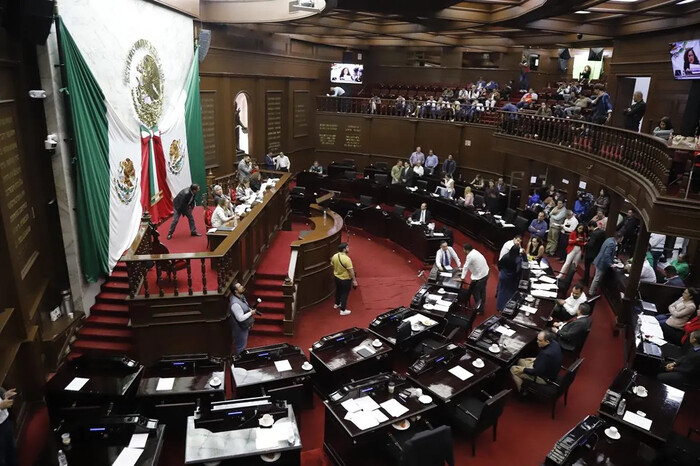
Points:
x=621 y=407
x=62 y=461
x=324 y=215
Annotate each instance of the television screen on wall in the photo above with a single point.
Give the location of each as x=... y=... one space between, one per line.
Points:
x=685 y=59
x=346 y=73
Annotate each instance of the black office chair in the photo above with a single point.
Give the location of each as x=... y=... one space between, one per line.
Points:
x=366 y=201
x=348 y=162
x=509 y=215
x=521 y=224
x=292 y=394
x=479 y=201
x=474 y=415
x=403 y=331
x=591 y=302
x=381 y=179
x=298 y=191
x=460 y=320
x=679 y=451
x=449 y=235
x=429 y=447
x=431 y=341
x=350 y=175
x=553 y=390
x=572 y=354
x=381 y=166
x=399 y=211
x=422 y=185
x=563 y=284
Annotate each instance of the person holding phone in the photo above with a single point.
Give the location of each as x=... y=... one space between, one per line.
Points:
x=8 y=449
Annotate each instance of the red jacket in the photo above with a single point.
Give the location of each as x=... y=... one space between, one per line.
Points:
x=692 y=325
x=575 y=240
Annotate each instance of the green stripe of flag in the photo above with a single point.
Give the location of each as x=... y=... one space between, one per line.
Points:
x=193 y=125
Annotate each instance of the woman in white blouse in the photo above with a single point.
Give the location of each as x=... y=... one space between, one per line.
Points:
x=221 y=214
x=449 y=187
x=243 y=192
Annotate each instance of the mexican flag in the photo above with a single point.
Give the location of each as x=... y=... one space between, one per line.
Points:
x=126 y=168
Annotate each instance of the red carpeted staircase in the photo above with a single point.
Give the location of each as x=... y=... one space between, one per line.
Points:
x=107 y=330
x=268 y=287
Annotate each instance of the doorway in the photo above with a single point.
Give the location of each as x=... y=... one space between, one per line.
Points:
x=241 y=123
x=626 y=87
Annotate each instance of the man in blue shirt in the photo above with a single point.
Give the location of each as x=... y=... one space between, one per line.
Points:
x=417 y=157
x=602 y=105
x=604 y=260
x=449 y=166
x=542 y=368
x=538 y=227
x=431 y=162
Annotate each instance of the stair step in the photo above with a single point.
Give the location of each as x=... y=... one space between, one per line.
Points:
x=266 y=284
x=119 y=275
x=96 y=346
x=267 y=329
x=269 y=318
x=109 y=310
x=115 y=286
x=103 y=321
x=106 y=334
x=268 y=295
x=270 y=276
x=111 y=297
x=273 y=306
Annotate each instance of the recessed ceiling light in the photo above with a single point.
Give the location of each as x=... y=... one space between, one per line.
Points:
x=685 y=1
x=583 y=12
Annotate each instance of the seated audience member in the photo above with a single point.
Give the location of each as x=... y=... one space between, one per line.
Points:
x=528 y=100
x=679 y=313
x=565 y=309
x=563 y=91
x=580 y=206
x=535 y=248
x=449 y=166
x=664 y=130
x=538 y=227
x=501 y=185
x=542 y=368
x=579 y=104
x=462 y=95
x=418 y=169
x=544 y=110
x=448 y=188
x=243 y=192
x=681 y=266
x=221 y=214
x=572 y=332
x=672 y=278
x=396 y=172
x=685 y=371
x=491 y=99
x=282 y=162
x=445 y=257
x=422 y=215
x=507 y=90
x=647 y=276
x=477 y=182
x=316 y=168
x=691 y=326
x=255 y=182
x=468 y=199
x=431 y=162
x=218 y=194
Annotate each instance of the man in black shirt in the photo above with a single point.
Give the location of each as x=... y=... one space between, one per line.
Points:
x=183 y=205
x=634 y=113
x=449 y=166
x=542 y=368
x=596 y=236
x=685 y=371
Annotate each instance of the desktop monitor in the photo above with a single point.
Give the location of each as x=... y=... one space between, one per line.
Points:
x=685 y=59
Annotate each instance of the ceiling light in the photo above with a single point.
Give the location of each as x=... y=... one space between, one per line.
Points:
x=624 y=1
x=582 y=12
x=685 y=2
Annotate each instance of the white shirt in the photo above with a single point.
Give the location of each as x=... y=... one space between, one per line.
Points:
x=338 y=91
x=4 y=414
x=507 y=246
x=657 y=241
x=648 y=275
x=422 y=216
x=418 y=170
x=570 y=224
x=571 y=304
x=451 y=254
x=219 y=217
x=450 y=185
x=476 y=264
x=281 y=161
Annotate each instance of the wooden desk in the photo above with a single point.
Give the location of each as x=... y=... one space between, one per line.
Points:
x=511 y=348
x=428 y=296
x=536 y=320
x=661 y=405
x=346 y=444
x=453 y=282
x=385 y=326
x=337 y=363
x=439 y=382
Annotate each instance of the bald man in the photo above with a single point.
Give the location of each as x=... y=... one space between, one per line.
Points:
x=634 y=113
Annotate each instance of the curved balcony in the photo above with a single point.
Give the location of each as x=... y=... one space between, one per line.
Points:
x=636 y=166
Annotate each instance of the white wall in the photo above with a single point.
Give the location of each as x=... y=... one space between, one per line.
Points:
x=105 y=31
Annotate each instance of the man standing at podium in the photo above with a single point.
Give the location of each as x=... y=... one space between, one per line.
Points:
x=344 y=275
x=444 y=256
x=183 y=205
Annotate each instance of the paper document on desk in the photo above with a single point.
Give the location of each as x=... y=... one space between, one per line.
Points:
x=650 y=326
x=509 y=332
x=544 y=294
x=446 y=274
x=546 y=279
x=528 y=309
x=283 y=365
x=508 y=225
x=657 y=341
x=441 y=308
x=138 y=440
x=438 y=234
x=379 y=416
x=637 y=420
x=366 y=403
x=544 y=286
x=128 y=457
x=534 y=265
x=649 y=307
x=394 y=407
x=350 y=405
x=460 y=372
x=211 y=230
x=76 y=384
x=165 y=383
x=434 y=297
x=364 y=420
x=265 y=439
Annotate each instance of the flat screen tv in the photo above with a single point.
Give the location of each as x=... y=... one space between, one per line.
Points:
x=685 y=59
x=346 y=73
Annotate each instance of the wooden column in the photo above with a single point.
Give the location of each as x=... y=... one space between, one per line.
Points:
x=613 y=212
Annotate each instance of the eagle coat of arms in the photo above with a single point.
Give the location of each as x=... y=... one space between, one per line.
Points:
x=125 y=183
x=176 y=159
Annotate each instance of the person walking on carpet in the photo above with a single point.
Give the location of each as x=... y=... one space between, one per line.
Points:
x=344 y=275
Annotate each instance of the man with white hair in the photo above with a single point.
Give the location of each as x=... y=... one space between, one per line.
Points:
x=634 y=113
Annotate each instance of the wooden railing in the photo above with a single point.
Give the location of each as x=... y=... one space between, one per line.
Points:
x=235 y=258
x=643 y=154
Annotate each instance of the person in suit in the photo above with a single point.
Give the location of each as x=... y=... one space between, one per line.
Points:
x=407 y=174
x=182 y=205
x=542 y=368
x=422 y=215
x=685 y=371
x=449 y=166
x=604 y=260
x=634 y=113
x=672 y=277
x=8 y=449
x=444 y=257
x=244 y=168
x=596 y=236
x=573 y=331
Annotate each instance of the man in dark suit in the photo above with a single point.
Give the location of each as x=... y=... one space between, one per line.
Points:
x=8 y=454
x=573 y=331
x=542 y=368
x=183 y=205
x=422 y=215
x=634 y=113
x=687 y=369
x=672 y=277
x=596 y=236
